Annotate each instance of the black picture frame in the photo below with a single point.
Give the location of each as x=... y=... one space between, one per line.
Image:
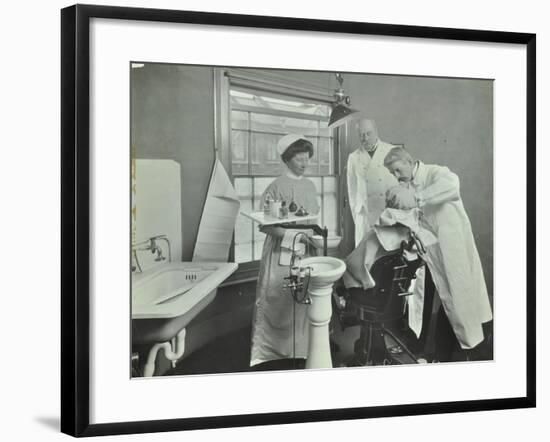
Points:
x=75 y=215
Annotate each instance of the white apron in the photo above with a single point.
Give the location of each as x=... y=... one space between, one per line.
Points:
x=280 y=326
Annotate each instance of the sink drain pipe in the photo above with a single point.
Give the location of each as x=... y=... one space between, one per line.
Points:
x=169 y=352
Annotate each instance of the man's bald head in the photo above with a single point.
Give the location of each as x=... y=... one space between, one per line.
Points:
x=368 y=133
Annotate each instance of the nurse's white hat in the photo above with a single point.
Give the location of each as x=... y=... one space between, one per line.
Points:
x=286 y=141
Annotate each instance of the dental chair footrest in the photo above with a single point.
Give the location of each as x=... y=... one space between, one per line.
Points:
x=380 y=346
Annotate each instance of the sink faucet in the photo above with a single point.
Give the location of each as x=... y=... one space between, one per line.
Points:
x=152 y=245
x=156 y=248
x=297 y=275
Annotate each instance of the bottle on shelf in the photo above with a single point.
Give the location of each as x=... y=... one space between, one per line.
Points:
x=275 y=206
x=283 y=211
x=267 y=205
x=302 y=212
x=293 y=206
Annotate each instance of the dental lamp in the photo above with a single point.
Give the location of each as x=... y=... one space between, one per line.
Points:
x=341 y=112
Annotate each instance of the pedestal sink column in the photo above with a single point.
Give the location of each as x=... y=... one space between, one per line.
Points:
x=319 y=313
x=323 y=272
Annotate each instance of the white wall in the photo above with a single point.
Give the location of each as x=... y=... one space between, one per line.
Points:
x=157 y=202
x=30 y=209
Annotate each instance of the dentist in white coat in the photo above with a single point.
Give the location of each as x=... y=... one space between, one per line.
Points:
x=367 y=178
x=454 y=260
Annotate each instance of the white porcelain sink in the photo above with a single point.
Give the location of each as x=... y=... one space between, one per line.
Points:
x=173 y=289
x=332 y=241
x=324 y=269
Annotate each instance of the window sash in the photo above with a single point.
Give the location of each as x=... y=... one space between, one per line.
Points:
x=224 y=141
x=277 y=86
x=277 y=113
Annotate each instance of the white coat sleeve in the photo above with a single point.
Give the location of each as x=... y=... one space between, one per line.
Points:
x=352 y=186
x=444 y=187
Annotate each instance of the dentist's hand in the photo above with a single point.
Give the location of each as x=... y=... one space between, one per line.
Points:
x=400 y=197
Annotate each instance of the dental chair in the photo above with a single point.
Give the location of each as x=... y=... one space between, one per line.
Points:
x=380 y=310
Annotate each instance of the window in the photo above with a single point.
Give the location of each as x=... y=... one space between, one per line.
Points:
x=258 y=121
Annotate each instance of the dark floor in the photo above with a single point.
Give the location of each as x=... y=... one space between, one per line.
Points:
x=231 y=353
x=228 y=354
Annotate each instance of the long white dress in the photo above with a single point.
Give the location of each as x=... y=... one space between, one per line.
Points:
x=454 y=261
x=279 y=325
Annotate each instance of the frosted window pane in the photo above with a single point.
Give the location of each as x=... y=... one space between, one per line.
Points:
x=317 y=182
x=239 y=120
x=324 y=151
x=259 y=188
x=330 y=184
x=239 y=146
x=243 y=186
x=313 y=168
x=260 y=184
x=258 y=247
x=265 y=159
x=268 y=123
x=243 y=225
x=258 y=236
x=324 y=131
x=243 y=253
x=303 y=127
x=239 y=152
x=331 y=212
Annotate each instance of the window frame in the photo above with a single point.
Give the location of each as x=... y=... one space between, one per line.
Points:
x=248 y=271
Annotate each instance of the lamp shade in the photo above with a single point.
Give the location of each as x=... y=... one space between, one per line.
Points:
x=341 y=114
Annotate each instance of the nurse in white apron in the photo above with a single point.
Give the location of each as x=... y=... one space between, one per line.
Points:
x=280 y=326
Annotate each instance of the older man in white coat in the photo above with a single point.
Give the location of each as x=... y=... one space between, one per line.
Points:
x=454 y=261
x=367 y=178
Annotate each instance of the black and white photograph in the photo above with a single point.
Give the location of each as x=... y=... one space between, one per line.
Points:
x=278 y=219
x=275 y=221
x=298 y=220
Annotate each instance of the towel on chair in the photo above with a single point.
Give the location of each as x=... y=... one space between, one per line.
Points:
x=393 y=227
x=376 y=243
x=402 y=218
